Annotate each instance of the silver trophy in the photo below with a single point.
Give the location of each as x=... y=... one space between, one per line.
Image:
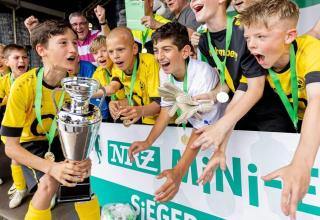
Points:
x=78 y=125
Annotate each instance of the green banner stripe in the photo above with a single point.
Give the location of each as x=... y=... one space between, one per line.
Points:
x=109 y=192
x=307 y=3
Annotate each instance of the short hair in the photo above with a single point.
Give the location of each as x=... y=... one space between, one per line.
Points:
x=7 y=50
x=122 y=32
x=45 y=30
x=97 y=43
x=77 y=14
x=174 y=31
x=262 y=11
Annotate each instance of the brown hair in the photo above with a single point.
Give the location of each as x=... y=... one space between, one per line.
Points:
x=97 y=43
x=7 y=50
x=262 y=11
x=45 y=30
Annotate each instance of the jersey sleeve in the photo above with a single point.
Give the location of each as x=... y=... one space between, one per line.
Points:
x=16 y=112
x=310 y=60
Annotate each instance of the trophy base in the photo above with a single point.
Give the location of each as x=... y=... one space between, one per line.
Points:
x=81 y=192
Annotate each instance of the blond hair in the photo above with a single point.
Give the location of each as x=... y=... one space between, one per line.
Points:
x=262 y=11
x=97 y=43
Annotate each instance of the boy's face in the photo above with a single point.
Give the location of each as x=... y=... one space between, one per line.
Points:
x=168 y=56
x=175 y=6
x=61 y=51
x=101 y=56
x=204 y=9
x=81 y=26
x=121 y=52
x=18 y=62
x=268 y=45
x=241 y=5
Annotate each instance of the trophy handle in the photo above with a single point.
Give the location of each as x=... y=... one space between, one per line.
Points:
x=103 y=99
x=53 y=95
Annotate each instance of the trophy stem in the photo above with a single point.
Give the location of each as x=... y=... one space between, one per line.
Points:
x=79 y=107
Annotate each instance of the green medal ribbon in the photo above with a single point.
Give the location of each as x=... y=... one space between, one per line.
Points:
x=113 y=96
x=11 y=78
x=38 y=99
x=291 y=109
x=144 y=36
x=221 y=65
x=133 y=79
x=185 y=90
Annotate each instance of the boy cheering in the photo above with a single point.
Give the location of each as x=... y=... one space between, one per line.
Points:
x=294 y=73
x=29 y=117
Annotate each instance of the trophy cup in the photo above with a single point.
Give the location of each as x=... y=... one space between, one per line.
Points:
x=78 y=124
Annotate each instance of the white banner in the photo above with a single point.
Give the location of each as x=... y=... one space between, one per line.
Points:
x=238 y=193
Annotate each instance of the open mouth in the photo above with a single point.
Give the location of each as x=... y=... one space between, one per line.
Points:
x=164 y=64
x=102 y=62
x=119 y=63
x=197 y=8
x=22 y=68
x=260 y=58
x=71 y=58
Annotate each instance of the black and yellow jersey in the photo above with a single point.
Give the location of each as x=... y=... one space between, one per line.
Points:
x=5 y=85
x=146 y=85
x=240 y=63
x=20 y=118
x=307 y=68
x=101 y=75
x=268 y=114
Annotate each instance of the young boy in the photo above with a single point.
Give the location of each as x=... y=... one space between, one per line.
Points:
x=137 y=74
x=294 y=72
x=26 y=140
x=16 y=58
x=244 y=77
x=102 y=74
x=172 y=48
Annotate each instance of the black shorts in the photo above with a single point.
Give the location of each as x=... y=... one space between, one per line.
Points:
x=39 y=148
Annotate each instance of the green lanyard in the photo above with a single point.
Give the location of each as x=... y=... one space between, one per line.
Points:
x=38 y=100
x=185 y=90
x=113 y=97
x=133 y=79
x=221 y=65
x=11 y=78
x=292 y=110
x=144 y=36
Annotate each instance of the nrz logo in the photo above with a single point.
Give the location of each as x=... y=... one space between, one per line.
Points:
x=147 y=161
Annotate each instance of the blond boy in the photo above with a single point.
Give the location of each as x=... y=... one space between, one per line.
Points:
x=294 y=73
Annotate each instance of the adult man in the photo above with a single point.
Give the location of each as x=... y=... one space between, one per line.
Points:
x=80 y=25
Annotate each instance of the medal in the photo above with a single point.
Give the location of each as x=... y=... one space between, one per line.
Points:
x=49 y=156
x=222 y=97
x=185 y=139
x=144 y=50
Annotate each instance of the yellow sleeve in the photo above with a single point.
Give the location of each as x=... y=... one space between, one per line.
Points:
x=16 y=111
x=308 y=60
x=153 y=81
x=161 y=19
x=2 y=88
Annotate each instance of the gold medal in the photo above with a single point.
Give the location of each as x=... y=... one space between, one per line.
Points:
x=49 y=156
x=185 y=139
x=144 y=50
x=126 y=123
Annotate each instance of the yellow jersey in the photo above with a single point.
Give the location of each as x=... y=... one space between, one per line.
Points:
x=146 y=85
x=307 y=67
x=103 y=77
x=20 y=118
